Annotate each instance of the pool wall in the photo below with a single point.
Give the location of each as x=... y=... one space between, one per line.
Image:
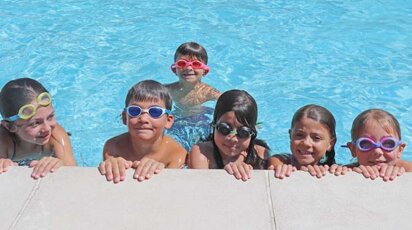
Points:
x=80 y=198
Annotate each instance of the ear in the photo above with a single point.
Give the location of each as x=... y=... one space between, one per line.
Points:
x=401 y=148
x=9 y=126
x=290 y=134
x=332 y=143
x=173 y=68
x=169 y=121
x=352 y=148
x=124 y=118
x=206 y=71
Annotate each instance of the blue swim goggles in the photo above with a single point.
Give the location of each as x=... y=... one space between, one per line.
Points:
x=154 y=112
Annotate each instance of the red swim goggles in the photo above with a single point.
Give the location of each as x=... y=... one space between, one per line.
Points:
x=195 y=64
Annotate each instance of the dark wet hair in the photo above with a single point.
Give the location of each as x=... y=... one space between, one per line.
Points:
x=382 y=117
x=192 y=49
x=323 y=116
x=17 y=93
x=245 y=108
x=149 y=90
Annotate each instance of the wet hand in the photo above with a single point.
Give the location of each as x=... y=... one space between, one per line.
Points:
x=369 y=172
x=5 y=164
x=282 y=171
x=146 y=168
x=114 y=168
x=338 y=170
x=240 y=170
x=315 y=170
x=44 y=166
x=390 y=172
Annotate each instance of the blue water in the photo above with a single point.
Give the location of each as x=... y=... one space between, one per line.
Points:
x=345 y=55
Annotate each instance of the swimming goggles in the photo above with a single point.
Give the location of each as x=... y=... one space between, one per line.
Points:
x=366 y=144
x=225 y=129
x=181 y=64
x=154 y=112
x=28 y=111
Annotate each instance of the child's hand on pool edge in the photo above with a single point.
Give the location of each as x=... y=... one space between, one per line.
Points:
x=282 y=170
x=240 y=170
x=385 y=171
x=114 y=168
x=45 y=165
x=338 y=170
x=315 y=170
x=146 y=168
x=5 y=163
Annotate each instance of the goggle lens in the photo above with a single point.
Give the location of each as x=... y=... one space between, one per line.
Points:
x=195 y=64
x=154 y=112
x=242 y=132
x=388 y=144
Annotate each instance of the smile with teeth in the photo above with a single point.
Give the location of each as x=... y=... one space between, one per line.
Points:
x=305 y=152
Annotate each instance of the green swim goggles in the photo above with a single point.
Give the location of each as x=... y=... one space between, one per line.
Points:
x=28 y=111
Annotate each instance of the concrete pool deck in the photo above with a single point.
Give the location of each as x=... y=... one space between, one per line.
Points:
x=80 y=198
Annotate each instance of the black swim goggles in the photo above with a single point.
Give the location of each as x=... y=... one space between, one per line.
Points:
x=242 y=132
x=154 y=112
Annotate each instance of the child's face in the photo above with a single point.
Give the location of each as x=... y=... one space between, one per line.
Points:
x=376 y=156
x=309 y=141
x=39 y=128
x=189 y=74
x=230 y=145
x=144 y=126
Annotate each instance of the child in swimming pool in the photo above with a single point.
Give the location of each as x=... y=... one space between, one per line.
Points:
x=190 y=66
x=376 y=143
x=232 y=144
x=144 y=146
x=29 y=133
x=312 y=140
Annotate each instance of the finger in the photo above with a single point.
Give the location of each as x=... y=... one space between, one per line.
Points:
x=102 y=168
x=401 y=171
x=338 y=171
x=245 y=172
x=236 y=172
x=333 y=168
x=312 y=170
x=116 y=171
x=144 y=169
x=319 y=171
x=40 y=167
x=304 y=168
x=394 y=173
x=371 y=172
x=271 y=167
x=229 y=169
x=49 y=166
x=159 y=168
x=109 y=173
x=382 y=171
x=122 y=171
x=289 y=170
x=152 y=169
x=283 y=170
x=278 y=172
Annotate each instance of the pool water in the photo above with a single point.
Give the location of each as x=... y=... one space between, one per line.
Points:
x=345 y=55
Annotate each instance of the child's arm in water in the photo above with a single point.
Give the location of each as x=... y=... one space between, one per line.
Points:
x=175 y=153
x=197 y=157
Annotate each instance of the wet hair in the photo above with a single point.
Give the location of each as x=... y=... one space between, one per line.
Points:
x=245 y=108
x=323 y=116
x=192 y=49
x=149 y=90
x=17 y=93
x=382 y=117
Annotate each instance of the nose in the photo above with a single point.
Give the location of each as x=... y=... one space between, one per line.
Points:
x=144 y=117
x=306 y=141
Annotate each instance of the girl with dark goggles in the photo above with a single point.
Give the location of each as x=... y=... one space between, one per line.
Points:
x=242 y=132
x=154 y=112
x=366 y=144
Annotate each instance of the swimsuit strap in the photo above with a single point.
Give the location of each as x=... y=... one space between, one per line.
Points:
x=14 y=149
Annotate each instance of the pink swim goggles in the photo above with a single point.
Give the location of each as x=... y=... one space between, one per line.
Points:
x=195 y=64
x=366 y=144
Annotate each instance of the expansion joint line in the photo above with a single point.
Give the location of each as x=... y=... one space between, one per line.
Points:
x=270 y=200
x=33 y=192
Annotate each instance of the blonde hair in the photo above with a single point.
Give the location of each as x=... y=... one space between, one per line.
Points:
x=382 y=117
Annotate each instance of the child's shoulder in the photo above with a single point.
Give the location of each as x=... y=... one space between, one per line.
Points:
x=285 y=158
x=172 y=146
x=262 y=151
x=6 y=143
x=208 y=91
